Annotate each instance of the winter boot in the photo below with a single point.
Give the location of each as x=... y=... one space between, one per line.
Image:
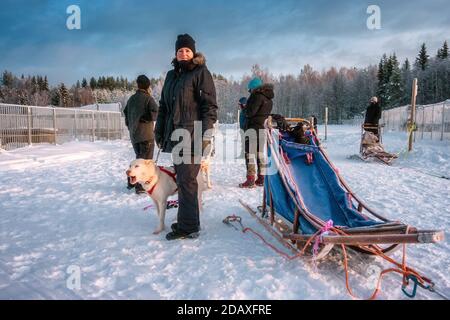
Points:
x=179 y=234
x=260 y=181
x=249 y=183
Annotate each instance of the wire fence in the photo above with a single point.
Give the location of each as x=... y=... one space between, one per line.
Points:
x=26 y=125
x=432 y=121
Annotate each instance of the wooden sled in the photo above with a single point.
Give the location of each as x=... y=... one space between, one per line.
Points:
x=381 y=155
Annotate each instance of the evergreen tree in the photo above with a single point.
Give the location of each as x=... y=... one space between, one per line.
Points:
x=55 y=97
x=84 y=83
x=40 y=83
x=394 y=85
x=422 y=58
x=8 y=79
x=102 y=82
x=110 y=83
x=63 y=95
x=406 y=82
x=78 y=85
x=93 y=83
x=34 y=85
x=383 y=78
x=443 y=52
x=45 y=86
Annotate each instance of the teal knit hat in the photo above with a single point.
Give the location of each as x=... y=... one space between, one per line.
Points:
x=255 y=83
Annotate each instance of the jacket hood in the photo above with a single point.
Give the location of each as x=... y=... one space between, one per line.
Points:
x=198 y=60
x=266 y=90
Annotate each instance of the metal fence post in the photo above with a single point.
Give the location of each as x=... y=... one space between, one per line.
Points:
x=423 y=121
x=54 y=125
x=432 y=122
x=107 y=125
x=76 y=125
x=93 y=126
x=29 y=125
x=443 y=120
x=120 y=127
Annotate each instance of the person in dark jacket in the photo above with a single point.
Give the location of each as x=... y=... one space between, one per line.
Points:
x=314 y=118
x=373 y=115
x=188 y=97
x=259 y=108
x=140 y=115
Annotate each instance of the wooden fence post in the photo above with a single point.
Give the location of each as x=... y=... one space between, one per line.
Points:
x=413 y=115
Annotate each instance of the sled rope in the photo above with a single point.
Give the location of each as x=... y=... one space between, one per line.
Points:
x=233 y=218
x=427 y=173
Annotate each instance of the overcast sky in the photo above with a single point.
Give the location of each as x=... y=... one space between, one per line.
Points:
x=119 y=37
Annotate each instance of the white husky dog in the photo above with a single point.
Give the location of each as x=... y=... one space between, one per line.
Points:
x=160 y=184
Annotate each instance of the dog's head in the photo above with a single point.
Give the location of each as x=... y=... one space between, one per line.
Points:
x=141 y=170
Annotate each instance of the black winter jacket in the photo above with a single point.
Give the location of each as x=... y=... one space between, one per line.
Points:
x=259 y=106
x=373 y=114
x=140 y=112
x=188 y=95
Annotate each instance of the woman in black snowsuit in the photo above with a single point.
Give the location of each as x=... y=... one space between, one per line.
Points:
x=188 y=96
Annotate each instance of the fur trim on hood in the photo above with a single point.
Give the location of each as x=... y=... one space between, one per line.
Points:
x=267 y=90
x=198 y=60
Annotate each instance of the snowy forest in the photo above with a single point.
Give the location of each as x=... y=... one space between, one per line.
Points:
x=345 y=91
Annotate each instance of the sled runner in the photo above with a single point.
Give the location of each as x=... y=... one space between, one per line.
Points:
x=307 y=201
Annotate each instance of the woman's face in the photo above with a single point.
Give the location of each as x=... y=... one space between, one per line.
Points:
x=185 y=54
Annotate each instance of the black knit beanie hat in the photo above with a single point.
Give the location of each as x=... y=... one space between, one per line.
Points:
x=185 y=41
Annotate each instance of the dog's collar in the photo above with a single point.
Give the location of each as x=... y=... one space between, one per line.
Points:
x=153 y=187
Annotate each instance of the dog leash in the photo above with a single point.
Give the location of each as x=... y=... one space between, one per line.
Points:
x=157 y=156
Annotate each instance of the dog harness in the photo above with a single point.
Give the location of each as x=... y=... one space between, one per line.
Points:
x=169 y=173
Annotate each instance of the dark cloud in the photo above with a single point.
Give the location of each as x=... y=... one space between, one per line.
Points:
x=121 y=37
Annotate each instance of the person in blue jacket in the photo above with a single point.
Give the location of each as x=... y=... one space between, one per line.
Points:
x=242 y=105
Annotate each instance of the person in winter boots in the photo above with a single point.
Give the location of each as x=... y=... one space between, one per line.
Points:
x=373 y=115
x=259 y=107
x=188 y=96
x=140 y=115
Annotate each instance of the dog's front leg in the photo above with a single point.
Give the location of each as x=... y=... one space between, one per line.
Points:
x=208 y=179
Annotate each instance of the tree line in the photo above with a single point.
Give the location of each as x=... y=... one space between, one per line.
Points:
x=345 y=91
x=433 y=74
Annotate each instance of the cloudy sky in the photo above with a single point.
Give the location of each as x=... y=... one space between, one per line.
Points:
x=123 y=37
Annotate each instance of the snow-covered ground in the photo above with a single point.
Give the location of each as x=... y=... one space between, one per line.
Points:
x=66 y=207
